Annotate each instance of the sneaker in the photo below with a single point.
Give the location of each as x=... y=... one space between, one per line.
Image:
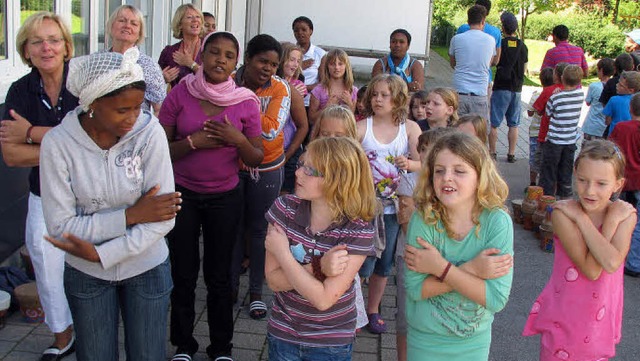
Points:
x=511 y=158
x=631 y=273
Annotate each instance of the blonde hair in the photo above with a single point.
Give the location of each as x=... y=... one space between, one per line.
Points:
x=347 y=184
x=34 y=22
x=632 y=78
x=399 y=96
x=330 y=58
x=604 y=150
x=450 y=97
x=492 y=190
x=136 y=12
x=479 y=125
x=336 y=112
x=572 y=75
x=287 y=49
x=177 y=20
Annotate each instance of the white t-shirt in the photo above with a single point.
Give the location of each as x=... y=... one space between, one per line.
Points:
x=311 y=73
x=473 y=51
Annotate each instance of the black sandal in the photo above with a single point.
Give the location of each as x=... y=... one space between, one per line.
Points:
x=257 y=310
x=53 y=353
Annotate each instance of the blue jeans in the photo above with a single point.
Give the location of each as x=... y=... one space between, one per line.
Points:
x=383 y=266
x=633 y=257
x=96 y=306
x=286 y=351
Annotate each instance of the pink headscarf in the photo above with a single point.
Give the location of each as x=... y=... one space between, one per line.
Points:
x=224 y=94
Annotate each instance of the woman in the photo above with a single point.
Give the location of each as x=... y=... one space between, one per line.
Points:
x=210 y=124
x=181 y=58
x=104 y=166
x=126 y=30
x=261 y=185
x=36 y=103
x=313 y=55
x=400 y=63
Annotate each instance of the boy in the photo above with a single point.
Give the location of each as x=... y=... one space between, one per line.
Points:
x=617 y=109
x=507 y=86
x=535 y=152
x=594 y=123
x=563 y=109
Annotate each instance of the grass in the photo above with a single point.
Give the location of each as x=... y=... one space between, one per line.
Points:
x=76 y=21
x=537 y=50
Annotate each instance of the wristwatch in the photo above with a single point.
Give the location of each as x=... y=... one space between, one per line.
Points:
x=29 y=139
x=193 y=66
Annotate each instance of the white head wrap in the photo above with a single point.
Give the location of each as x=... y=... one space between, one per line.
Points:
x=93 y=76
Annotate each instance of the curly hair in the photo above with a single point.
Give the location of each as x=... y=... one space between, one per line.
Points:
x=399 y=96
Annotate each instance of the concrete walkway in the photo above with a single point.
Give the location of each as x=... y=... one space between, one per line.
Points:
x=24 y=342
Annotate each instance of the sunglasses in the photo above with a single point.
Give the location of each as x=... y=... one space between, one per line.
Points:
x=309 y=171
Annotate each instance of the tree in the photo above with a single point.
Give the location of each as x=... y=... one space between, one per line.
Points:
x=528 y=7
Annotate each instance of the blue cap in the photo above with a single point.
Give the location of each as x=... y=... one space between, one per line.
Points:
x=634 y=35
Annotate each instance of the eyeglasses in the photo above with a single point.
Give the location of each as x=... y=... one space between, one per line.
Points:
x=51 y=41
x=309 y=171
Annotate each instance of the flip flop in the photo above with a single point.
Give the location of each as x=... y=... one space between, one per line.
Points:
x=223 y=358
x=257 y=310
x=53 y=353
x=376 y=323
x=181 y=357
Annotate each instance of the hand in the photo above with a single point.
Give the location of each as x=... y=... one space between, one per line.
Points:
x=570 y=208
x=276 y=241
x=424 y=260
x=153 y=208
x=170 y=74
x=414 y=86
x=333 y=100
x=335 y=261
x=203 y=139
x=345 y=98
x=402 y=162
x=620 y=210
x=301 y=88
x=489 y=264
x=76 y=247
x=225 y=132
x=307 y=63
x=14 y=131
x=182 y=58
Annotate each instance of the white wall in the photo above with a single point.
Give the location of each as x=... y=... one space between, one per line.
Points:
x=364 y=24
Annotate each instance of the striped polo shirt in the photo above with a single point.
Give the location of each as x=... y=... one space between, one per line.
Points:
x=293 y=318
x=563 y=109
x=564 y=52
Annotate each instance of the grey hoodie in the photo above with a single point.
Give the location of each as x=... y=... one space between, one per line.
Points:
x=85 y=191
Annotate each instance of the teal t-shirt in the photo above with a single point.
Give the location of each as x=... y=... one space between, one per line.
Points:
x=452 y=317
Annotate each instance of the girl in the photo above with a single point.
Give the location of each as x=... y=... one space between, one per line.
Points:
x=314 y=316
x=211 y=124
x=459 y=220
x=388 y=139
x=418 y=109
x=297 y=126
x=441 y=107
x=360 y=107
x=313 y=58
x=336 y=86
x=335 y=121
x=474 y=125
x=579 y=312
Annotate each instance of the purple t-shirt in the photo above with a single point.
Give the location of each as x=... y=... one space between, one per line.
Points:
x=322 y=94
x=207 y=170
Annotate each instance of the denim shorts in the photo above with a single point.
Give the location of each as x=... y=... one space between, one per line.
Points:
x=505 y=103
x=280 y=350
x=384 y=265
x=533 y=147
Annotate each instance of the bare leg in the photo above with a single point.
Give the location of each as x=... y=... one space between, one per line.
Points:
x=401 y=345
x=512 y=136
x=376 y=290
x=533 y=177
x=493 y=139
x=62 y=339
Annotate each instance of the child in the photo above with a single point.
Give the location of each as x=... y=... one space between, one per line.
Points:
x=535 y=152
x=541 y=104
x=336 y=86
x=459 y=220
x=442 y=107
x=594 y=124
x=314 y=316
x=579 y=312
x=474 y=125
x=418 y=109
x=405 y=210
x=335 y=121
x=627 y=137
x=617 y=109
x=563 y=109
x=388 y=139
x=360 y=108
x=209 y=23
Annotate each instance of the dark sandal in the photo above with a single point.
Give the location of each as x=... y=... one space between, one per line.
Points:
x=376 y=323
x=53 y=353
x=181 y=357
x=257 y=310
x=223 y=358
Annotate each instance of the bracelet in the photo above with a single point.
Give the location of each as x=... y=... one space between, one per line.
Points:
x=191 y=143
x=193 y=66
x=29 y=140
x=444 y=273
x=317 y=268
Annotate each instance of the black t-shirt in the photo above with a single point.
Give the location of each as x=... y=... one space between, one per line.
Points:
x=27 y=97
x=510 y=68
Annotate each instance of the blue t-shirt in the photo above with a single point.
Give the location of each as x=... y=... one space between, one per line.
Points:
x=618 y=109
x=473 y=51
x=489 y=29
x=594 y=123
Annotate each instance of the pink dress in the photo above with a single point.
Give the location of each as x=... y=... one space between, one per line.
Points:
x=578 y=319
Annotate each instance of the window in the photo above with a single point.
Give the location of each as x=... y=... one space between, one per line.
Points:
x=29 y=7
x=80 y=26
x=3 y=30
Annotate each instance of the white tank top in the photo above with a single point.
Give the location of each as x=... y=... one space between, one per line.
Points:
x=381 y=158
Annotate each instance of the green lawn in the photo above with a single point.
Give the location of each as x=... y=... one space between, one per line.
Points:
x=537 y=49
x=76 y=21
